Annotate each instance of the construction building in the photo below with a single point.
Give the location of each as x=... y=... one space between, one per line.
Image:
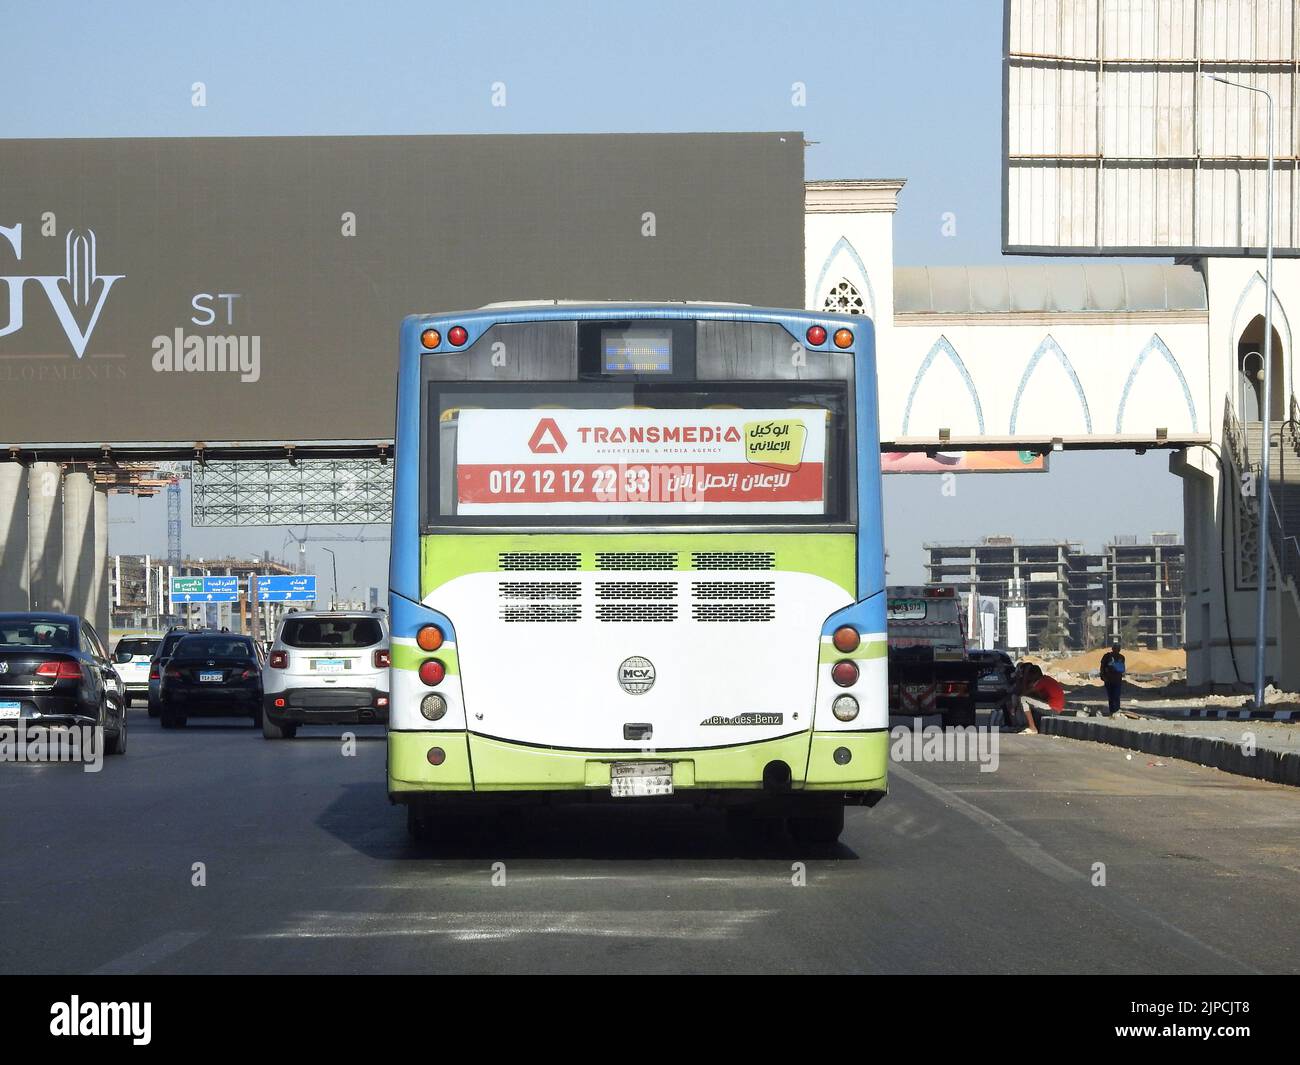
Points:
x=1073 y=599
x=138 y=587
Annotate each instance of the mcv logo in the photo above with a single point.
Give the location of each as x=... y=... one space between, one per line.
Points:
x=77 y=295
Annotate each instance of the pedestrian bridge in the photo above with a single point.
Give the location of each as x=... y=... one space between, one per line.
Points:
x=1060 y=355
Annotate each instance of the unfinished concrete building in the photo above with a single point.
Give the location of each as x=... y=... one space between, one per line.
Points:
x=1074 y=598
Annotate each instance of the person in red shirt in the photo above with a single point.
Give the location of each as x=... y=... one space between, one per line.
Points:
x=1034 y=694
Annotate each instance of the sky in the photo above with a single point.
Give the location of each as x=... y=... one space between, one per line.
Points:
x=910 y=90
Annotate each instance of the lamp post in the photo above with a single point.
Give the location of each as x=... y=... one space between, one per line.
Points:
x=334 y=594
x=1261 y=619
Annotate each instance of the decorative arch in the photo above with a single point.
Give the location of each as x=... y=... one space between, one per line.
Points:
x=1047 y=345
x=943 y=346
x=844 y=298
x=845 y=248
x=1280 y=322
x=1157 y=346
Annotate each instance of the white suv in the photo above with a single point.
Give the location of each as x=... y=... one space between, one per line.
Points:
x=326 y=667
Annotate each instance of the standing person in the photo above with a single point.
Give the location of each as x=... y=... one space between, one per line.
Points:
x=1112 y=675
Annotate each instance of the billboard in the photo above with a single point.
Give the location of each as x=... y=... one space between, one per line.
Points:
x=1114 y=141
x=238 y=289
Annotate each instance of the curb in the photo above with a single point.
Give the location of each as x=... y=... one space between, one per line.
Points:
x=1278 y=767
x=1200 y=713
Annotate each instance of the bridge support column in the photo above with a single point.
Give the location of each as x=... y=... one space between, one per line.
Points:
x=102 y=618
x=13 y=536
x=45 y=537
x=79 y=562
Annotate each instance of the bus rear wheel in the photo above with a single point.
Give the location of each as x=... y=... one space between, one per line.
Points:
x=420 y=824
x=821 y=827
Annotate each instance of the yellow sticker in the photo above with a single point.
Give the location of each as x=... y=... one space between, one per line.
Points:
x=779 y=442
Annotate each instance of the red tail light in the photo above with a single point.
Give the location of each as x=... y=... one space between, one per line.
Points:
x=172 y=673
x=816 y=335
x=382 y=660
x=845 y=673
x=457 y=335
x=153 y=670
x=62 y=670
x=432 y=671
x=953 y=687
x=248 y=674
x=279 y=704
x=279 y=659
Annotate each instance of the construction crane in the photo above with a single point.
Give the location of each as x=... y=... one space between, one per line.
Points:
x=307 y=535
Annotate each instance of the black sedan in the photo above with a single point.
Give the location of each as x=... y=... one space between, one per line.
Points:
x=56 y=672
x=212 y=675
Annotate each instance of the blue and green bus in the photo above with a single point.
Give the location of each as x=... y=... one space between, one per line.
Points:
x=636 y=556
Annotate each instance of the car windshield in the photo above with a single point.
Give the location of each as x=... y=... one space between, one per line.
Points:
x=36 y=632
x=332 y=632
x=129 y=649
x=213 y=647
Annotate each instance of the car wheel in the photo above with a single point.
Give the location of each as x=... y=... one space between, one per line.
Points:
x=116 y=744
x=154 y=709
x=272 y=731
x=259 y=718
x=822 y=828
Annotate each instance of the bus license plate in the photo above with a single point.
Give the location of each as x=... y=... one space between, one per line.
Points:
x=632 y=779
x=329 y=665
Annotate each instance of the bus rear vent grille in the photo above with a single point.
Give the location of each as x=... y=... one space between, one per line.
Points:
x=539 y=589
x=733 y=589
x=636 y=590
x=733 y=559
x=542 y=612
x=634 y=560
x=538 y=560
x=732 y=612
x=636 y=611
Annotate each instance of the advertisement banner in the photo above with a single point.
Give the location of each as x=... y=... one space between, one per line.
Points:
x=641 y=462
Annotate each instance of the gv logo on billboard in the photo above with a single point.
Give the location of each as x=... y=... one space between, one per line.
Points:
x=77 y=295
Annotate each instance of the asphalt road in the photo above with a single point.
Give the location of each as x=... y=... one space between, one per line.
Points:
x=308 y=869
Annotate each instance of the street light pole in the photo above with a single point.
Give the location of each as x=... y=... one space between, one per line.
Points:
x=334 y=595
x=1261 y=618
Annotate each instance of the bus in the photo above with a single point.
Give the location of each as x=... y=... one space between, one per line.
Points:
x=637 y=557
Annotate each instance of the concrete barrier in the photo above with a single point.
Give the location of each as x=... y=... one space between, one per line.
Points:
x=1279 y=767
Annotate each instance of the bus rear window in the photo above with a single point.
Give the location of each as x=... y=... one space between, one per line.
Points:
x=638 y=452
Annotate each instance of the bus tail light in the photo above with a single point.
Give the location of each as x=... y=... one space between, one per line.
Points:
x=816 y=335
x=436 y=756
x=846 y=639
x=429 y=638
x=844 y=338
x=845 y=673
x=279 y=660
x=457 y=335
x=432 y=671
x=382 y=659
x=433 y=707
x=845 y=707
x=431 y=338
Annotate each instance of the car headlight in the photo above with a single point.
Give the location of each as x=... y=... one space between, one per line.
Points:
x=845 y=707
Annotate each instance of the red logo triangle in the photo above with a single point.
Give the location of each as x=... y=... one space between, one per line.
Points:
x=547 y=438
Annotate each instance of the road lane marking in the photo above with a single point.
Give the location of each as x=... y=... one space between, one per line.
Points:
x=476 y=926
x=1032 y=853
x=150 y=953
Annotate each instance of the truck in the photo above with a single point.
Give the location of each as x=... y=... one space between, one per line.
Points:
x=931 y=670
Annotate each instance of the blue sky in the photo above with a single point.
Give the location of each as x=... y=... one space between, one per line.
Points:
x=908 y=90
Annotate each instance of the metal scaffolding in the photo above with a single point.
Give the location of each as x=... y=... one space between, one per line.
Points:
x=305 y=492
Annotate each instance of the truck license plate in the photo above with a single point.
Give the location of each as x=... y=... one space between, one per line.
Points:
x=632 y=779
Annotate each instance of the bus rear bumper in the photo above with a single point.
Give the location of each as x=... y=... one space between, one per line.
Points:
x=847 y=765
